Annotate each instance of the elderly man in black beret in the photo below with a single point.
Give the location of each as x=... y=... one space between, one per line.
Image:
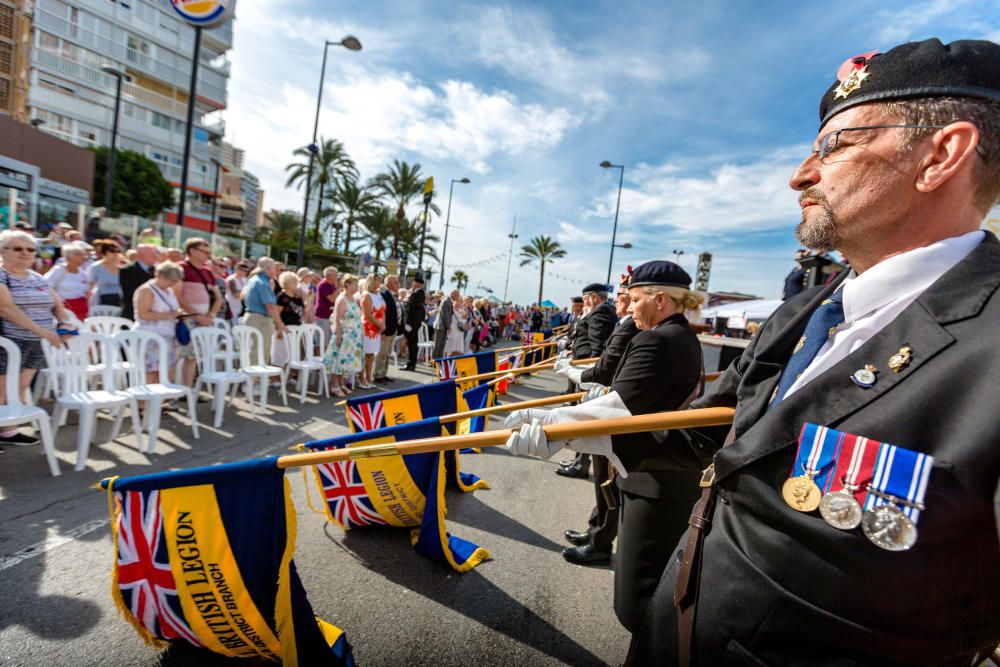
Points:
x=846 y=517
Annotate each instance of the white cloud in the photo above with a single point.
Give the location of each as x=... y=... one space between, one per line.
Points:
x=742 y=197
x=900 y=25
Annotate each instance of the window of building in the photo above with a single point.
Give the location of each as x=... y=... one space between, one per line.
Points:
x=160 y=120
x=47 y=42
x=130 y=110
x=87 y=134
x=52 y=84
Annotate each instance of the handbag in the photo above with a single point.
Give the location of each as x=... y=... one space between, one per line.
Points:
x=181 y=332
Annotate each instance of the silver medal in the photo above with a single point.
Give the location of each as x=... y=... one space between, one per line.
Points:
x=841 y=510
x=887 y=527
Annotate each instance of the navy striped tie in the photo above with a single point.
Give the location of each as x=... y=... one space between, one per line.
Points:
x=820 y=328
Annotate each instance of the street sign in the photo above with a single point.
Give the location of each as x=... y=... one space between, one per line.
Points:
x=204 y=13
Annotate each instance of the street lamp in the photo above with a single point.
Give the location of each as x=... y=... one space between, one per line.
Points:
x=677 y=256
x=447 y=222
x=614 y=231
x=111 y=70
x=350 y=43
x=626 y=246
x=215 y=190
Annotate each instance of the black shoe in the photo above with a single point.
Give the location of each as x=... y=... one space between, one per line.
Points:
x=577 y=538
x=19 y=440
x=409 y=368
x=567 y=463
x=573 y=471
x=586 y=555
x=384 y=378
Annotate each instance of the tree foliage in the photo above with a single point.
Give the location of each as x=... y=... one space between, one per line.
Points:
x=544 y=250
x=461 y=280
x=139 y=186
x=331 y=166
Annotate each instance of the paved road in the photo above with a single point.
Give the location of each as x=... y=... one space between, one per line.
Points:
x=526 y=606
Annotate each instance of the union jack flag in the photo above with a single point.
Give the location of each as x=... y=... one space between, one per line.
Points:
x=144 y=577
x=367 y=416
x=447 y=369
x=346 y=495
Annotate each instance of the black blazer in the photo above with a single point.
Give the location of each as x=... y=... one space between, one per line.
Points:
x=415 y=311
x=391 y=314
x=782 y=586
x=660 y=369
x=603 y=372
x=131 y=278
x=593 y=331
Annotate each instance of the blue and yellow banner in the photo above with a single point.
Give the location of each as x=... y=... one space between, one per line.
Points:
x=466 y=365
x=205 y=556
x=402 y=406
x=402 y=491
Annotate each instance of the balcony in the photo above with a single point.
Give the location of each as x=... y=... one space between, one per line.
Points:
x=67 y=105
x=211 y=79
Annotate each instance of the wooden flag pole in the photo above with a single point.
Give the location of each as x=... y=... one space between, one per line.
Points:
x=636 y=424
x=524 y=369
x=510 y=407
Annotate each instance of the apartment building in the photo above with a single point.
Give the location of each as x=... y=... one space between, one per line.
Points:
x=72 y=97
x=240 y=206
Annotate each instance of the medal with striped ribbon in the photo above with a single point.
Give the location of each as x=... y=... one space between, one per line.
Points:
x=896 y=497
x=815 y=462
x=841 y=507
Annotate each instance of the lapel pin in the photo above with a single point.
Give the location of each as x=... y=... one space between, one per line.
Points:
x=865 y=377
x=901 y=359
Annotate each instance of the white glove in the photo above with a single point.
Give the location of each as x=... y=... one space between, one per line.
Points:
x=575 y=373
x=561 y=365
x=521 y=417
x=408 y=328
x=595 y=391
x=561 y=345
x=565 y=354
x=607 y=406
x=530 y=440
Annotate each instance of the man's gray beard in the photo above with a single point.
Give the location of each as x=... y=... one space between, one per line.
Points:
x=820 y=233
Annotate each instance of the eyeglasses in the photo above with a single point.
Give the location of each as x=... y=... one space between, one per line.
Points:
x=18 y=248
x=113 y=251
x=830 y=141
x=203 y=248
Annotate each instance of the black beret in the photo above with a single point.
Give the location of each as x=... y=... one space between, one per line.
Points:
x=577 y=299
x=967 y=68
x=595 y=287
x=418 y=278
x=660 y=272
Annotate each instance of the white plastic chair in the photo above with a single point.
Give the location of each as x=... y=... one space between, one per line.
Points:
x=302 y=357
x=134 y=346
x=206 y=342
x=107 y=325
x=15 y=412
x=70 y=363
x=425 y=347
x=248 y=341
x=104 y=311
x=394 y=350
x=230 y=342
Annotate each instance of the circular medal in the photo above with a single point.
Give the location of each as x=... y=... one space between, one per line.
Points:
x=864 y=378
x=801 y=493
x=840 y=510
x=887 y=527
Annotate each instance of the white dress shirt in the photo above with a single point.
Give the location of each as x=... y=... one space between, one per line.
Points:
x=876 y=297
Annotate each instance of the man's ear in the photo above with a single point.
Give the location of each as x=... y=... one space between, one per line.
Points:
x=952 y=149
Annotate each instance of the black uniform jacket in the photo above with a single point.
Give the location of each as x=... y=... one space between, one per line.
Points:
x=415 y=312
x=131 y=278
x=660 y=369
x=593 y=331
x=604 y=371
x=392 y=311
x=782 y=586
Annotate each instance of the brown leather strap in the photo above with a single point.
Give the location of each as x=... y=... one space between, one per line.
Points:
x=688 y=577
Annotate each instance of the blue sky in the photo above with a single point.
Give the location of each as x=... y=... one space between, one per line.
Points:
x=709 y=105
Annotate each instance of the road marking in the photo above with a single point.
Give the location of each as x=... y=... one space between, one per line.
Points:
x=51 y=542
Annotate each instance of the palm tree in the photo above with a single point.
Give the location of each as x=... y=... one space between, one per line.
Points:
x=400 y=184
x=542 y=249
x=461 y=279
x=284 y=228
x=379 y=223
x=349 y=202
x=412 y=234
x=331 y=164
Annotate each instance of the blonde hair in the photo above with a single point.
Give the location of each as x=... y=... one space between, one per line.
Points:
x=347 y=278
x=170 y=270
x=685 y=300
x=288 y=280
x=368 y=284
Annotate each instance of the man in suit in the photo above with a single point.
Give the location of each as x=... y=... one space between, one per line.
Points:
x=594 y=543
x=136 y=274
x=446 y=311
x=414 y=317
x=590 y=333
x=897 y=350
x=393 y=326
